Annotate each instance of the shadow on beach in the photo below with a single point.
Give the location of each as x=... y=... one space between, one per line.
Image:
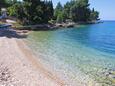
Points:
x=10 y=33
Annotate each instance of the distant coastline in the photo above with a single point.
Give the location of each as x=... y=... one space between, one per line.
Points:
x=44 y=27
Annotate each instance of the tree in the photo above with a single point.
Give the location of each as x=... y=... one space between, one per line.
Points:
x=32 y=11
x=3 y=3
x=58 y=10
x=80 y=11
x=94 y=15
x=48 y=11
x=76 y=10
x=67 y=9
x=60 y=18
x=59 y=13
x=39 y=11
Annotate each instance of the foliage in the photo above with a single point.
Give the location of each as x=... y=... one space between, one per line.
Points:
x=58 y=10
x=67 y=9
x=39 y=11
x=60 y=18
x=32 y=11
x=80 y=11
x=13 y=10
x=76 y=10
x=3 y=3
x=94 y=15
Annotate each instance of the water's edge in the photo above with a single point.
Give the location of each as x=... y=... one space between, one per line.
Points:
x=85 y=55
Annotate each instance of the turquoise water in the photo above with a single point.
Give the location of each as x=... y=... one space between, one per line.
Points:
x=85 y=53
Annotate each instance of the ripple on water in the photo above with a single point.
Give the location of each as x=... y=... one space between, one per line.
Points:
x=84 y=54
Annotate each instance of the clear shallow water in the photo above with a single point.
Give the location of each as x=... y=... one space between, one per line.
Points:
x=82 y=53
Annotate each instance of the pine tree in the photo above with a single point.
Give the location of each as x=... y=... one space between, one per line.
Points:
x=94 y=15
x=80 y=11
x=58 y=10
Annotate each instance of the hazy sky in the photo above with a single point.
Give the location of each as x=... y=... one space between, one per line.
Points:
x=105 y=7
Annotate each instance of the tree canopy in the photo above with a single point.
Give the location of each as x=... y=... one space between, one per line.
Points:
x=39 y=11
x=32 y=11
x=76 y=10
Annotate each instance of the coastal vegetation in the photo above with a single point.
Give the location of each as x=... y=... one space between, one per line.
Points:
x=39 y=12
x=77 y=11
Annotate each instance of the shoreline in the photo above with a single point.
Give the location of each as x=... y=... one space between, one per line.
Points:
x=19 y=67
x=37 y=64
x=17 y=56
x=46 y=27
x=90 y=83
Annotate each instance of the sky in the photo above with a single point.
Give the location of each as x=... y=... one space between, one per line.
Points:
x=105 y=7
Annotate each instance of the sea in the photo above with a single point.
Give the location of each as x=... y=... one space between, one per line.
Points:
x=84 y=54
